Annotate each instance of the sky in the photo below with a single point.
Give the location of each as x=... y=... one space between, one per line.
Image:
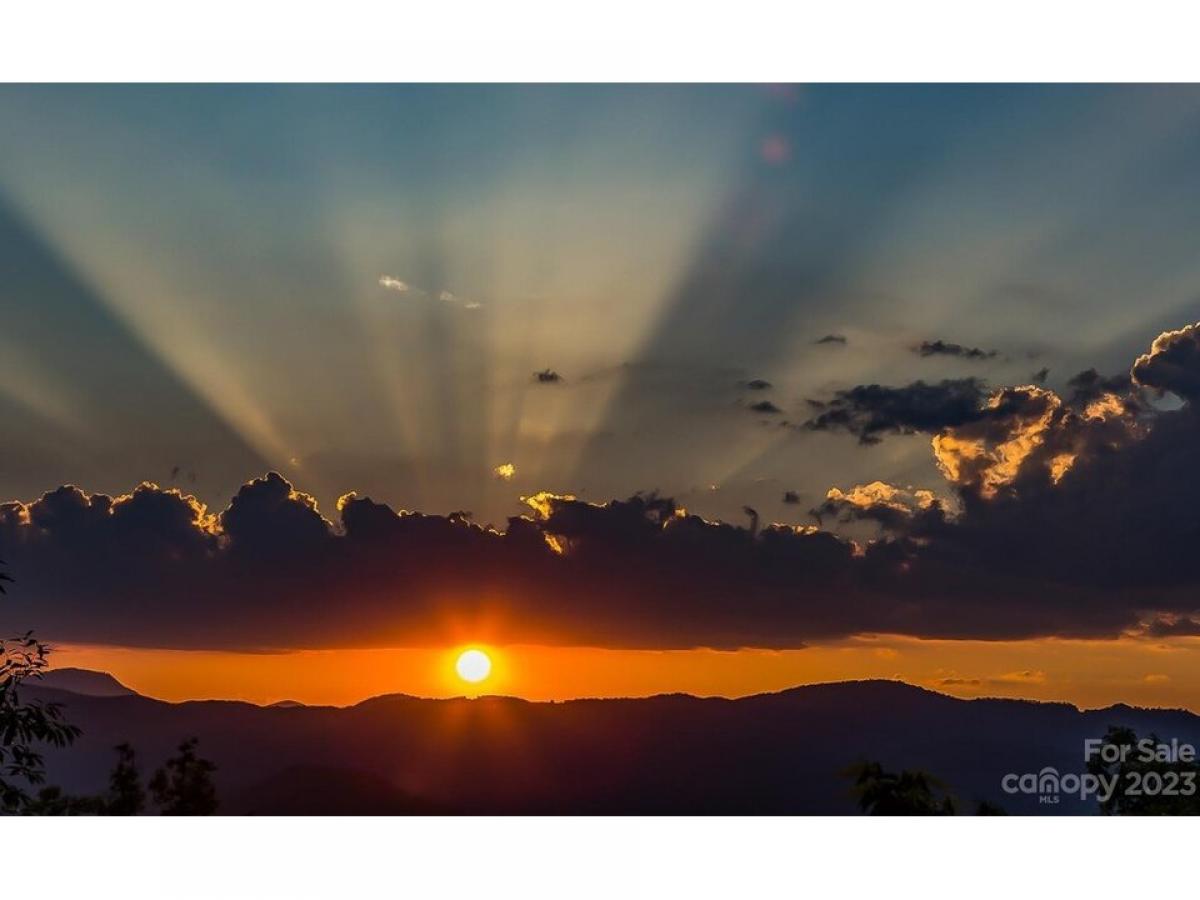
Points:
x=833 y=335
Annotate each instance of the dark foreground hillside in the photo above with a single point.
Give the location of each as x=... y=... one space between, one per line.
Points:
x=772 y=753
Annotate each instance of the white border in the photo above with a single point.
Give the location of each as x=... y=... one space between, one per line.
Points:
x=616 y=40
x=601 y=858
x=619 y=40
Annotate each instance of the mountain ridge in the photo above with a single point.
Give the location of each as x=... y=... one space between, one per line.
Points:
x=782 y=752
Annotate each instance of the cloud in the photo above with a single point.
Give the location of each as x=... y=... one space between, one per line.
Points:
x=455 y=300
x=269 y=515
x=505 y=471
x=1064 y=517
x=791 y=497
x=957 y=681
x=890 y=506
x=155 y=568
x=1172 y=363
x=765 y=406
x=871 y=411
x=1024 y=677
x=393 y=284
x=1089 y=501
x=757 y=384
x=835 y=339
x=1172 y=626
x=944 y=348
x=1089 y=386
x=547 y=376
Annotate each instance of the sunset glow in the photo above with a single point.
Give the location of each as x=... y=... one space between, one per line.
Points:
x=1160 y=672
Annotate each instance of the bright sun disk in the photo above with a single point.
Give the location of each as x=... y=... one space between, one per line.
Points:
x=473 y=666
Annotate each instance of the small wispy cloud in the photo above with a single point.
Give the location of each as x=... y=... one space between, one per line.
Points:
x=454 y=299
x=393 y=284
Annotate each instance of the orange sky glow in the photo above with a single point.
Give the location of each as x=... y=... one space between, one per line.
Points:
x=1086 y=673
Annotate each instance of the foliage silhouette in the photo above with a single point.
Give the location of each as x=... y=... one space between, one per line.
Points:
x=184 y=786
x=126 y=796
x=51 y=801
x=23 y=725
x=915 y=793
x=1133 y=796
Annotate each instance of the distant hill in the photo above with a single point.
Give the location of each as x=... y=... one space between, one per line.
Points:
x=84 y=681
x=770 y=753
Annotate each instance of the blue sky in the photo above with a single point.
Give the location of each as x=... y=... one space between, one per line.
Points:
x=192 y=286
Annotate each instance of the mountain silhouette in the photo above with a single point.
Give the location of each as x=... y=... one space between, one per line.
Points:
x=765 y=754
x=84 y=681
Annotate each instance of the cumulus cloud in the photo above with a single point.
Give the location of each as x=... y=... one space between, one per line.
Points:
x=1172 y=363
x=988 y=452
x=156 y=568
x=1089 y=500
x=1089 y=386
x=1055 y=517
x=891 y=506
x=945 y=348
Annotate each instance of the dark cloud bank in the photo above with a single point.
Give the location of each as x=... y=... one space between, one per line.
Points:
x=1073 y=515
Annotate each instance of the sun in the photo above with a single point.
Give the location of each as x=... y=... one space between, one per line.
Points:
x=473 y=666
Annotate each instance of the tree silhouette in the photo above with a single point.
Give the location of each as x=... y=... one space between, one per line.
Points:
x=882 y=793
x=1174 y=791
x=23 y=725
x=51 y=801
x=126 y=796
x=184 y=787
